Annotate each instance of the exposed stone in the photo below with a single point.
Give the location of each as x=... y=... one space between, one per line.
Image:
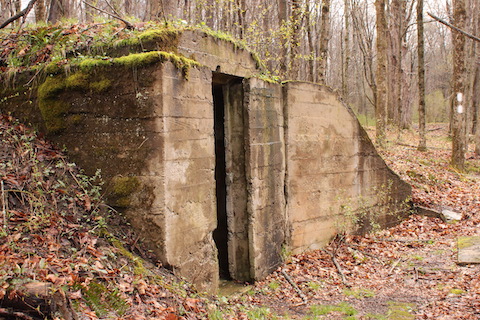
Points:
x=451 y=216
x=445 y=214
x=468 y=250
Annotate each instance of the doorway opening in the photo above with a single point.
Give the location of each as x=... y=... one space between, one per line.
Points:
x=231 y=235
x=220 y=235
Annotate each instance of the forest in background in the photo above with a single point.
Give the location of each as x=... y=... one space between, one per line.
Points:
x=390 y=60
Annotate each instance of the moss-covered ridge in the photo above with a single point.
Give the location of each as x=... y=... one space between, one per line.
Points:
x=140 y=60
x=50 y=47
x=85 y=77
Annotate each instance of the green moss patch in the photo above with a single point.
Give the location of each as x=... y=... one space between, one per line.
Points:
x=78 y=80
x=139 y=268
x=400 y=310
x=148 y=58
x=342 y=308
x=167 y=37
x=122 y=188
x=101 y=85
x=52 y=109
x=51 y=87
x=94 y=63
x=103 y=300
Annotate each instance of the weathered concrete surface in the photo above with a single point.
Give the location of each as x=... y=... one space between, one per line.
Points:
x=265 y=167
x=189 y=162
x=217 y=54
x=468 y=250
x=332 y=167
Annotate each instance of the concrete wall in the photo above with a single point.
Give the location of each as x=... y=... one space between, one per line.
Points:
x=217 y=54
x=333 y=169
x=189 y=164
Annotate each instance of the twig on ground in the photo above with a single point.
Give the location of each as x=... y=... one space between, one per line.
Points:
x=394 y=265
x=294 y=285
x=339 y=268
x=355 y=247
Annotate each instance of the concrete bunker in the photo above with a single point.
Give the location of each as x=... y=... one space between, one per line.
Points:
x=219 y=172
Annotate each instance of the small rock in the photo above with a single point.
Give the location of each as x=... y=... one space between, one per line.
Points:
x=450 y=215
x=468 y=250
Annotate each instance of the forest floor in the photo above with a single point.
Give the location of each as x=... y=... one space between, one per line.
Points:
x=60 y=258
x=409 y=271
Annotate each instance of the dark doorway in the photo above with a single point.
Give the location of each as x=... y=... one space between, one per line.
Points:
x=231 y=235
x=220 y=235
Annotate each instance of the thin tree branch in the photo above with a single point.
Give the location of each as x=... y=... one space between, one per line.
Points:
x=127 y=24
x=22 y=13
x=339 y=268
x=471 y=36
x=112 y=7
x=295 y=287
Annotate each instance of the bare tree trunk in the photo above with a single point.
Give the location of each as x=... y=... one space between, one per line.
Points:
x=395 y=55
x=154 y=9
x=476 y=90
x=324 y=38
x=128 y=7
x=294 y=43
x=346 y=48
x=18 y=5
x=282 y=20
x=422 y=145
x=40 y=11
x=242 y=12
x=459 y=125
x=381 y=73
x=57 y=10
x=476 y=107
x=311 y=76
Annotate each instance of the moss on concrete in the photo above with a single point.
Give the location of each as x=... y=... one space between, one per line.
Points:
x=51 y=87
x=138 y=59
x=78 y=80
x=122 y=188
x=101 y=85
x=53 y=110
x=139 y=268
x=52 y=68
x=148 y=58
x=90 y=64
x=168 y=36
x=465 y=242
